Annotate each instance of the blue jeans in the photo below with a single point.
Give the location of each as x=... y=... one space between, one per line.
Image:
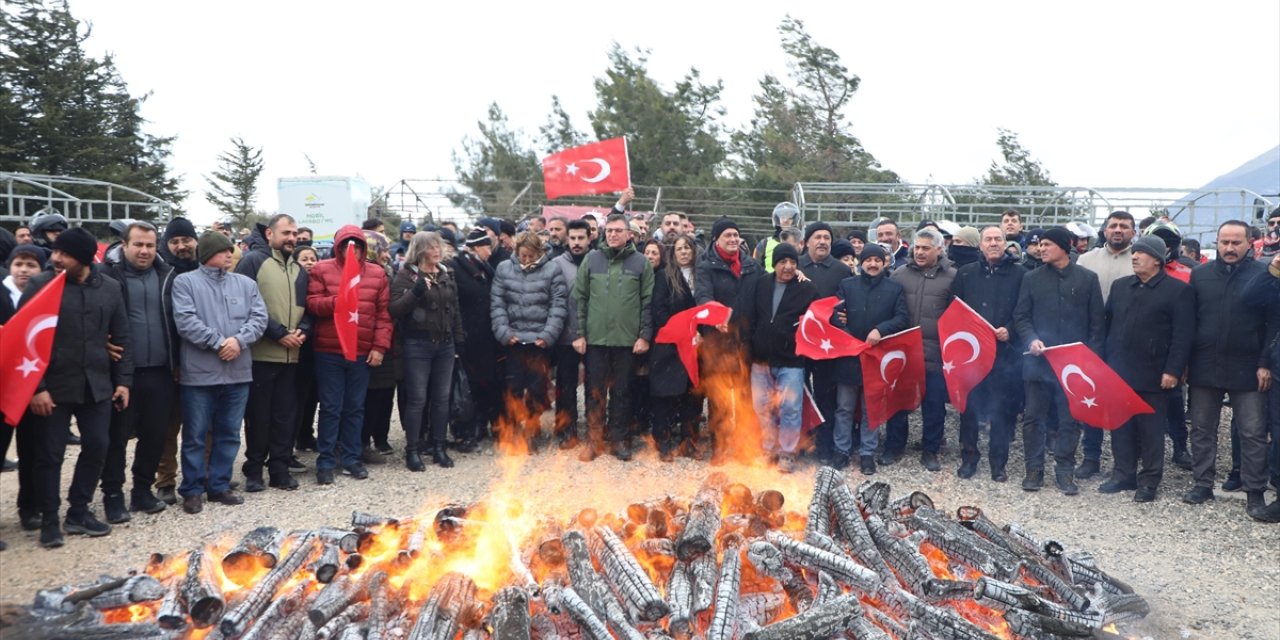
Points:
x=341 y=385
x=428 y=372
x=211 y=413
x=847 y=396
x=933 y=413
x=777 y=394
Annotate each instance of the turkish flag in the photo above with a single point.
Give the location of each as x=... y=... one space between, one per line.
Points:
x=599 y=167
x=818 y=339
x=25 y=347
x=810 y=416
x=682 y=331
x=893 y=376
x=1096 y=394
x=971 y=353
x=346 y=309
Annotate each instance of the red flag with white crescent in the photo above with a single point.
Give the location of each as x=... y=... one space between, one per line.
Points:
x=346 y=309
x=682 y=330
x=818 y=339
x=599 y=167
x=810 y=415
x=1096 y=394
x=893 y=376
x=968 y=350
x=26 y=344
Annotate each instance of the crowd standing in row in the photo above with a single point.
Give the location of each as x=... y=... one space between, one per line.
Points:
x=178 y=338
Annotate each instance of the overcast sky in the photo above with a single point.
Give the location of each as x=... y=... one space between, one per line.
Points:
x=1158 y=94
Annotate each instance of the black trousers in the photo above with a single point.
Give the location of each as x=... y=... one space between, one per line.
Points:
x=308 y=400
x=1142 y=439
x=675 y=420
x=1044 y=401
x=151 y=401
x=29 y=431
x=526 y=374
x=378 y=406
x=997 y=398
x=608 y=382
x=824 y=395
x=567 y=362
x=270 y=420
x=93 y=419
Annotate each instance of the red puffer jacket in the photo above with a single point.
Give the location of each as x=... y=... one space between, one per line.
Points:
x=322 y=292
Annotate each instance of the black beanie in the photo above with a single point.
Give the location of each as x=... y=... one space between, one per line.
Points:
x=179 y=228
x=1059 y=236
x=77 y=243
x=859 y=234
x=478 y=238
x=210 y=243
x=722 y=225
x=873 y=250
x=783 y=251
x=842 y=248
x=815 y=227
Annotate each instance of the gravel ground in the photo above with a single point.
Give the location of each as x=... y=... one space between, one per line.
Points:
x=1208 y=571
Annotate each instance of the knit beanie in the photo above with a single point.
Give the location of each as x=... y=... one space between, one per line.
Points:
x=814 y=227
x=37 y=253
x=1059 y=236
x=970 y=236
x=841 y=248
x=179 y=228
x=492 y=223
x=784 y=251
x=873 y=250
x=210 y=243
x=478 y=238
x=1153 y=246
x=77 y=243
x=722 y=225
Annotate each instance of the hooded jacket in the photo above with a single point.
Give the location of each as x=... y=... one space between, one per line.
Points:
x=282 y=283
x=209 y=306
x=613 y=290
x=325 y=280
x=928 y=292
x=529 y=305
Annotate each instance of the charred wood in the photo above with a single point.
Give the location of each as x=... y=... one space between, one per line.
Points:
x=841 y=567
x=1005 y=596
x=699 y=534
x=568 y=600
x=257 y=550
x=134 y=589
x=347 y=541
x=761 y=607
x=509 y=618
x=903 y=507
x=234 y=622
x=903 y=554
x=200 y=592
x=824 y=481
x=361 y=519
x=82 y=623
x=702 y=576
x=679 y=599
x=820 y=621
x=326 y=566
x=724 y=621
x=855 y=530
x=171 y=614
x=627 y=576
x=276 y=612
x=333 y=628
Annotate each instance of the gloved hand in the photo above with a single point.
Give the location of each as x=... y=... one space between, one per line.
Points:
x=420 y=287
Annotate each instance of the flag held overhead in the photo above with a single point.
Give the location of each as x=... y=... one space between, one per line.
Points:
x=599 y=167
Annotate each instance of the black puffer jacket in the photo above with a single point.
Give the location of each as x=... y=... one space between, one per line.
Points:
x=1232 y=336
x=869 y=303
x=717 y=282
x=474 y=279
x=992 y=291
x=1058 y=307
x=773 y=335
x=433 y=315
x=667 y=375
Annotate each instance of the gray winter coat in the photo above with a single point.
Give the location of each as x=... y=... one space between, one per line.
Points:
x=210 y=305
x=529 y=305
x=928 y=292
x=570 y=270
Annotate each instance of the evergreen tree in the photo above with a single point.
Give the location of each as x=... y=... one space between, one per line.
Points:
x=559 y=133
x=234 y=185
x=1018 y=167
x=493 y=167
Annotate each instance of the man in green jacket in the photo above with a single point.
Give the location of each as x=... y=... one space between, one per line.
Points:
x=269 y=418
x=613 y=289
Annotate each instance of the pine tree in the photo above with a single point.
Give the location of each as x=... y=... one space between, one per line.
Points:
x=234 y=185
x=493 y=167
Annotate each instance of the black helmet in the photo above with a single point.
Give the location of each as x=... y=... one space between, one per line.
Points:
x=1168 y=231
x=118 y=227
x=47 y=219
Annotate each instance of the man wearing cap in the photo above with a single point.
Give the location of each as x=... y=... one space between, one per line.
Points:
x=407 y=229
x=1059 y=303
x=219 y=316
x=872 y=306
x=785 y=216
x=82 y=382
x=178 y=250
x=1031 y=259
x=720 y=272
x=926 y=283
x=771 y=306
x=1113 y=260
x=1150 y=326
x=990 y=286
x=825 y=272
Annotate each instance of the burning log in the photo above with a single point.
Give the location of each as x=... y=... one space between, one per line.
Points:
x=628 y=577
x=326 y=566
x=132 y=590
x=1005 y=596
x=873 y=496
x=819 y=520
x=884 y=621
x=449 y=599
x=591 y=588
x=521 y=570
x=940 y=623
x=352 y=632
x=679 y=599
x=413 y=547
x=347 y=541
x=855 y=531
x=864 y=629
x=1117 y=608
x=903 y=555
x=724 y=622
x=509 y=618
x=820 y=621
x=278 y=610
x=339 y=595
x=334 y=627
x=903 y=507
x=659 y=547
x=260 y=596
x=568 y=600
x=1034 y=625
x=171 y=614
x=1081 y=569
x=702 y=576
x=798 y=592
x=761 y=607
x=703 y=523
x=200 y=592
x=259 y=549
x=841 y=567
x=82 y=623
x=379 y=607
x=363 y=520
x=828 y=589
x=964 y=545
x=767 y=559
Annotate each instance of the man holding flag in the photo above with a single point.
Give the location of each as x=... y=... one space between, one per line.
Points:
x=990 y=289
x=349 y=298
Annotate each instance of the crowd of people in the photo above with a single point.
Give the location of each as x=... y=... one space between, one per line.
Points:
x=178 y=339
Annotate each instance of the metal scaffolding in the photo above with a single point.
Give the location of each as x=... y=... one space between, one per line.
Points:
x=81 y=200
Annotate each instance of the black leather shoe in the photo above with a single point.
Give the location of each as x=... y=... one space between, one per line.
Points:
x=1269 y=514
x=967 y=470
x=1145 y=494
x=413 y=461
x=839 y=461
x=193 y=504
x=371 y=456
x=356 y=471
x=1254 y=501
x=113 y=509
x=1087 y=469
x=440 y=456
x=30 y=520
x=890 y=457
x=285 y=482
x=51 y=536
x=384 y=448
x=324 y=476
x=167 y=495
x=1233 y=482
x=145 y=502
x=1198 y=495
x=999 y=475
x=87 y=525
x=929 y=460
x=1116 y=486
x=1034 y=481
x=1066 y=483
x=296 y=465
x=227 y=498
x=1182 y=459
x=867 y=465
x=254 y=484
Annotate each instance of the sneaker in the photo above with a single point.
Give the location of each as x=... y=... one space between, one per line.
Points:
x=867 y=465
x=254 y=484
x=51 y=536
x=1116 y=486
x=296 y=465
x=193 y=504
x=30 y=520
x=1182 y=459
x=1087 y=469
x=87 y=525
x=1034 y=481
x=113 y=509
x=286 y=482
x=1144 y=494
x=929 y=460
x=967 y=469
x=145 y=502
x=888 y=458
x=1198 y=495
x=1233 y=482
x=786 y=463
x=356 y=471
x=228 y=498
x=324 y=476
x=384 y=448
x=167 y=495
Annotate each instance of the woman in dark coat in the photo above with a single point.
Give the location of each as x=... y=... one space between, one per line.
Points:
x=675 y=407
x=474 y=277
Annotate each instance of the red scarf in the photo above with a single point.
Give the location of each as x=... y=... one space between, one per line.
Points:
x=734 y=261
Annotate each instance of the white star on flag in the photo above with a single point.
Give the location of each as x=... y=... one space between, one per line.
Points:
x=825 y=346
x=29 y=366
x=355 y=317
x=571 y=169
x=1090 y=402
x=948 y=366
